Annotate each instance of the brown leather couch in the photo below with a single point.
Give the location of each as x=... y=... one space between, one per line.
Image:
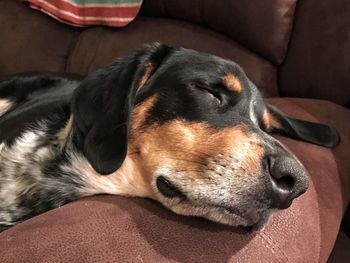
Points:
x=288 y=48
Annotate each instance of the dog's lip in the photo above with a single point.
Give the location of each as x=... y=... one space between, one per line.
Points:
x=254 y=227
x=251 y=218
x=233 y=210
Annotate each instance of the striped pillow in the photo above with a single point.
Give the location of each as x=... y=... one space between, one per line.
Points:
x=115 y=13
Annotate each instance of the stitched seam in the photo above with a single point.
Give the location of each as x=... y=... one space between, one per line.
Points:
x=273 y=247
x=291 y=36
x=281 y=251
x=93 y=59
x=71 y=49
x=268 y=246
x=291 y=32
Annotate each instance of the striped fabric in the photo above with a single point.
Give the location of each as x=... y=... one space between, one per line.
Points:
x=115 y=13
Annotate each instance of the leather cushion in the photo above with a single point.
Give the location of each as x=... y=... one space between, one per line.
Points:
x=97 y=47
x=263 y=26
x=31 y=41
x=318 y=61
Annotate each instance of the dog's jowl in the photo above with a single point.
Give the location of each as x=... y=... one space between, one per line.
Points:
x=187 y=129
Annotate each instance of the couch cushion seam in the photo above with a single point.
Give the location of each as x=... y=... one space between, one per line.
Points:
x=273 y=247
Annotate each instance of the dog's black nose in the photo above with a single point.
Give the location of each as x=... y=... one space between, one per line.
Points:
x=288 y=180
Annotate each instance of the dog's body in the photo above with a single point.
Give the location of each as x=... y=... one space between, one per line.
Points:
x=200 y=149
x=36 y=173
x=40 y=166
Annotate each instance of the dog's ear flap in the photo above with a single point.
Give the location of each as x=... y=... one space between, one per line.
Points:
x=276 y=122
x=102 y=106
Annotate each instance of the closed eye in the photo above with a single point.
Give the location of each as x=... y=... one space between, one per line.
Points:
x=205 y=88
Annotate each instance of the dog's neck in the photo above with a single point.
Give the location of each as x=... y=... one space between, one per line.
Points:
x=127 y=180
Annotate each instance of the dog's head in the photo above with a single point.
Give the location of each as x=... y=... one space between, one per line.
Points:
x=198 y=132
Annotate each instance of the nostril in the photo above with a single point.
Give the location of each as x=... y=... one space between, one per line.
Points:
x=285 y=183
x=267 y=163
x=167 y=188
x=288 y=180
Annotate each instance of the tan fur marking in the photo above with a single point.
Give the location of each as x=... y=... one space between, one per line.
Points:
x=232 y=83
x=127 y=180
x=5 y=105
x=211 y=166
x=270 y=121
x=139 y=114
x=187 y=146
x=148 y=71
x=62 y=135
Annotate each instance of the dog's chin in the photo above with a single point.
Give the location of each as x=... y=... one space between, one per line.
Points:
x=251 y=220
x=263 y=220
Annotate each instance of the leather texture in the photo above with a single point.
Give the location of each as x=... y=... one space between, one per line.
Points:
x=115 y=229
x=263 y=26
x=341 y=250
x=25 y=33
x=93 y=52
x=318 y=61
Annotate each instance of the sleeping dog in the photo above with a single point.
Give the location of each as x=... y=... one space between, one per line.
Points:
x=187 y=129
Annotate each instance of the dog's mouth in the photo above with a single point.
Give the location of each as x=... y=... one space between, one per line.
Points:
x=252 y=219
x=247 y=218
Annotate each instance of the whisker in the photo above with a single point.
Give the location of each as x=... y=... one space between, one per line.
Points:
x=198 y=153
x=185 y=160
x=190 y=170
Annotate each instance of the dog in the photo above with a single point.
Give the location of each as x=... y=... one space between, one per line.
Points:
x=187 y=129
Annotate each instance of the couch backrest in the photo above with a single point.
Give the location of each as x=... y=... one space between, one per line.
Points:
x=318 y=60
x=287 y=47
x=309 y=40
x=263 y=26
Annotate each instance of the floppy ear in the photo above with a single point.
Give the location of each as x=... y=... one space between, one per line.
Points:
x=316 y=133
x=102 y=106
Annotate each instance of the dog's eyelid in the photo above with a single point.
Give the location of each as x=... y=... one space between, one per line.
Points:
x=208 y=89
x=199 y=84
